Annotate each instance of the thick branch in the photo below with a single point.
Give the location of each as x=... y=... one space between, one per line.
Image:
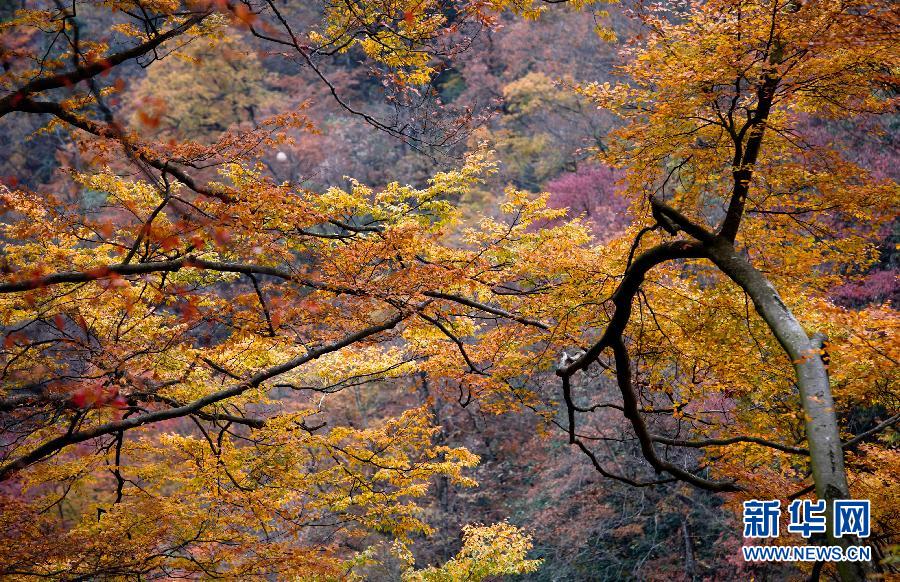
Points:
x=109 y=132
x=632 y=413
x=612 y=338
x=625 y=292
x=109 y=271
x=863 y=436
x=822 y=433
x=61 y=442
x=743 y=172
x=12 y=101
x=730 y=441
x=663 y=211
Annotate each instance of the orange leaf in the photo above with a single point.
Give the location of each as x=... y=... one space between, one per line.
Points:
x=170 y=242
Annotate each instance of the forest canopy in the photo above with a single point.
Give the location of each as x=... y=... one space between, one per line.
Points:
x=444 y=289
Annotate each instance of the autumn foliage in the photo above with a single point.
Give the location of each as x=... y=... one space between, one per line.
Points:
x=677 y=296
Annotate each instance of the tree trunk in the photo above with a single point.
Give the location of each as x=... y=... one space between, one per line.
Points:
x=689 y=569
x=822 y=434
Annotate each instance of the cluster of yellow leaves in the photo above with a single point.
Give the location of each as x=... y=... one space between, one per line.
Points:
x=197 y=505
x=495 y=550
x=395 y=34
x=202 y=90
x=524 y=134
x=407 y=35
x=199 y=497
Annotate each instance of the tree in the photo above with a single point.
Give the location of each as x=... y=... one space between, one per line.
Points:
x=542 y=130
x=202 y=91
x=168 y=353
x=154 y=341
x=592 y=190
x=710 y=138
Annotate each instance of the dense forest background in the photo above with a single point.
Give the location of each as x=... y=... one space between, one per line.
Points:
x=510 y=85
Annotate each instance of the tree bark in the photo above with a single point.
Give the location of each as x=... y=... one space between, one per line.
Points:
x=822 y=434
x=689 y=569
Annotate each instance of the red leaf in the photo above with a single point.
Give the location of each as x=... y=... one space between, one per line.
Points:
x=222 y=236
x=147 y=120
x=98 y=272
x=79 y=399
x=107 y=67
x=189 y=312
x=88 y=396
x=105 y=229
x=170 y=242
x=119 y=402
x=244 y=14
